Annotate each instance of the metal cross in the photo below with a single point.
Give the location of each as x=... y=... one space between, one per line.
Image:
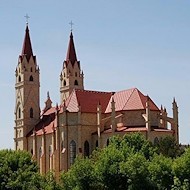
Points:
x=27 y=17
x=71 y=23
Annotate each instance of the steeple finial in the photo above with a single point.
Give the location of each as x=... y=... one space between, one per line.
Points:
x=71 y=23
x=48 y=97
x=27 y=17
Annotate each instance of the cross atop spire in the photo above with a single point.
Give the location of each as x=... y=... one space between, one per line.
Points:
x=27 y=17
x=71 y=23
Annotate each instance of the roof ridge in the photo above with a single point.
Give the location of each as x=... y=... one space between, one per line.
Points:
x=133 y=89
x=127 y=89
x=93 y=91
x=139 y=92
x=69 y=98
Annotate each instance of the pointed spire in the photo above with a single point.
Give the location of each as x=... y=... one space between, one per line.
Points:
x=48 y=97
x=174 y=102
x=27 y=47
x=71 y=54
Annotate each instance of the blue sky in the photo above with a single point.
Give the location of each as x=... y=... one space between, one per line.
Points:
x=121 y=44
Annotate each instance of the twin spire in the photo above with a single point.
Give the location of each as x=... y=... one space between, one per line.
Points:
x=27 y=48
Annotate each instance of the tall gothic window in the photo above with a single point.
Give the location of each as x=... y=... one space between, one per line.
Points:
x=72 y=152
x=108 y=141
x=31 y=113
x=31 y=78
x=19 y=113
x=97 y=144
x=86 y=149
x=64 y=83
x=19 y=78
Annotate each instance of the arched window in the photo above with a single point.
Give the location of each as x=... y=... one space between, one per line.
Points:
x=31 y=151
x=75 y=74
x=76 y=82
x=19 y=113
x=86 y=149
x=156 y=141
x=72 y=152
x=31 y=69
x=64 y=74
x=108 y=142
x=64 y=83
x=97 y=144
x=31 y=113
x=19 y=78
x=31 y=78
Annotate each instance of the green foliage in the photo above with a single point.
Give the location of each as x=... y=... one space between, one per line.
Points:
x=181 y=166
x=18 y=171
x=134 y=168
x=80 y=176
x=168 y=147
x=131 y=162
x=160 y=172
x=48 y=182
x=178 y=185
x=107 y=168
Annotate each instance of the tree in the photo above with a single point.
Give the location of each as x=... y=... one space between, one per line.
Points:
x=181 y=166
x=80 y=176
x=18 y=171
x=48 y=182
x=168 y=147
x=160 y=172
x=135 y=171
x=121 y=165
x=131 y=162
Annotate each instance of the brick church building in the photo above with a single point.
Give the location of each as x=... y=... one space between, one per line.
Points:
x=84 y=120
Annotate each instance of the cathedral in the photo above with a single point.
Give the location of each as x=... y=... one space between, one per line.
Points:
x=84 y=120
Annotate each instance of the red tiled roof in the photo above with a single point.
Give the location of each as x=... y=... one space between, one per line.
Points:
x=131 y=99
x=46 y=123
x=88 y=100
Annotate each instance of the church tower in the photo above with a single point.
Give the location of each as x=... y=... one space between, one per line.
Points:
x=71 y=76
x=27 y=105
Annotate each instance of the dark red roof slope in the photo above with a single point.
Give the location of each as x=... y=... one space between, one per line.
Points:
x=27 y=47
x=71 y=53
x=87 y=100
